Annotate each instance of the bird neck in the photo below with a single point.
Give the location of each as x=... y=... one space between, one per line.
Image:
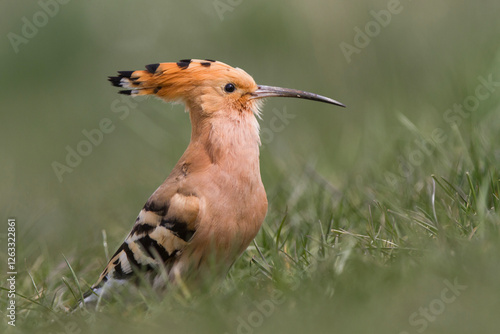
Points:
x=229 y=138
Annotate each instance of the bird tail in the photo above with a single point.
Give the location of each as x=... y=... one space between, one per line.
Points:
x=90 y=297
x=100 y=290
x=137 y=82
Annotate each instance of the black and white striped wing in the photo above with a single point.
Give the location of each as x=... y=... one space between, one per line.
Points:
x=160 y=234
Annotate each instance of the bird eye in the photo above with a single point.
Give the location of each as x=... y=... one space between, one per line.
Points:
x=229 y=88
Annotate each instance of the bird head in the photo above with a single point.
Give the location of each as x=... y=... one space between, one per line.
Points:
x=209 y=86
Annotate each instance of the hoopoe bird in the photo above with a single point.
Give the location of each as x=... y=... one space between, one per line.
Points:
x=213 y=203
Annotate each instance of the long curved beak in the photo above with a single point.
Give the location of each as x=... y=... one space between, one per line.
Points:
x=270 y=91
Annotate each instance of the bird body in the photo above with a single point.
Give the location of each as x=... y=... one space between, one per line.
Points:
x=213 y=203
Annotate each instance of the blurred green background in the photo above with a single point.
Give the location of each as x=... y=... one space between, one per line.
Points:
x=398 y=84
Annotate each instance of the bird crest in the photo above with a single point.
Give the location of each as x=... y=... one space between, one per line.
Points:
x=183 y=79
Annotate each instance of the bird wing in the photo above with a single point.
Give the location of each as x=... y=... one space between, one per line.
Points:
x=161 y=232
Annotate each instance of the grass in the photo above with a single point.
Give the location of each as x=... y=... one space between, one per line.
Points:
x=378 y=253
x=383 y=218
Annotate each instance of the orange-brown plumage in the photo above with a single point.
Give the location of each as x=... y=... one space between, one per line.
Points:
x=213 y=203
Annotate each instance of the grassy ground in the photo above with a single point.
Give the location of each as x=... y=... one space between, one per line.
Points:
x=383 y=218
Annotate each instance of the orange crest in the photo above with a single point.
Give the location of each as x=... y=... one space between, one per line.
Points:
x=185 y=80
